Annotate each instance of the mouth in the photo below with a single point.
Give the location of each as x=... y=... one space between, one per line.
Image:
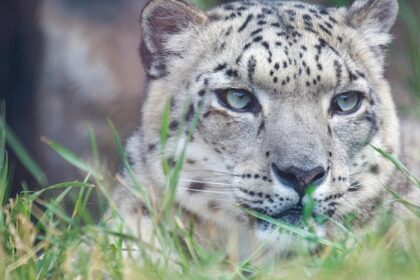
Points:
x=291 y=216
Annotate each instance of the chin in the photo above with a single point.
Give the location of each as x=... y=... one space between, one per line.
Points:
x=283 y=243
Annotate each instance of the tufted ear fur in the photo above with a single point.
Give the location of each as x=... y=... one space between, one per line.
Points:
x=373 y=17
x=160 y=19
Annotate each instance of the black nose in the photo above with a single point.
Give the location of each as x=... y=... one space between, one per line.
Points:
x=299 y=179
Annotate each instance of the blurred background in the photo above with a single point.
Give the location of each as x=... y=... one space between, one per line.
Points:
x=69 y=66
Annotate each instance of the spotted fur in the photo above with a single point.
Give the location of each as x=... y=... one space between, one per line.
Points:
x=294 y=57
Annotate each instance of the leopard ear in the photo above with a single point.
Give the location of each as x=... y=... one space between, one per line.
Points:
x=373 y=16
x=373 y=19
x=159 y=20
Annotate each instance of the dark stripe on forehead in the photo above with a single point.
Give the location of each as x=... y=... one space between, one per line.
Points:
x=252 y=64
x=255 y=32
x=228 y=31
x=338 y=71
x=323 y=28
x=245 y=24
x=220 y=67
x=351 y=75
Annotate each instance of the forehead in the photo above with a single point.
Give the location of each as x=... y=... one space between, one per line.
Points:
x=287 y=46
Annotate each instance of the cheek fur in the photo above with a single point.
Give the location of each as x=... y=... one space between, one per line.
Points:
x=224 y=129
x=356 y=132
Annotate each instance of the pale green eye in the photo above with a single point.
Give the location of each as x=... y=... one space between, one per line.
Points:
x=238 y=99
x=347 y=103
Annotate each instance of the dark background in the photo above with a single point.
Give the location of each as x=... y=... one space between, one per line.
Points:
x=20 y=57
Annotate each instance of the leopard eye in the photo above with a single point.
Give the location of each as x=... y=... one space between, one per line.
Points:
x=347 y=103
x=238 y=100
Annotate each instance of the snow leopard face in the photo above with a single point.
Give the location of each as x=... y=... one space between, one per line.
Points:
x=288 y=97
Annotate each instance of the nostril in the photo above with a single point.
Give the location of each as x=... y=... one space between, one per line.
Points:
x=299 y=179
x=319 y=178
x=285 y=177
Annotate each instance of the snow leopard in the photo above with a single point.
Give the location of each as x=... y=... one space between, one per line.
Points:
x=264 y=107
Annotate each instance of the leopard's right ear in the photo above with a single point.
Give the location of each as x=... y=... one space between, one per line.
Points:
x=161 y=19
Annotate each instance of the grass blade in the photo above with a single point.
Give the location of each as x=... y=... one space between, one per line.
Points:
x=28 y=162
x=296 y=230
x=415 y=209
x=37 y=194
x=399 y=166
x=94 y=146
x=4 y=165
x=72 y=158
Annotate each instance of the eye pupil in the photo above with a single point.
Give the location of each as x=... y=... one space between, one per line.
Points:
x=347 y=103
x=238 y=99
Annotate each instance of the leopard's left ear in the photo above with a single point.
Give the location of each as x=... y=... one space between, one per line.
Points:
x=373 y=20
x=160 y=20
x=373 y=16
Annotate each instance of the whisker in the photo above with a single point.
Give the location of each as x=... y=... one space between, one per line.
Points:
x=220 y=187
x=206 y=191
x=214 y=176
x=357 y=177
x=359 y=172
x=355 y=185
x=214 y=171
x=372 y=185
x=348 y=202
x=227 y=200
x=362 y=170
x=205 y=182
x=225 y=206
